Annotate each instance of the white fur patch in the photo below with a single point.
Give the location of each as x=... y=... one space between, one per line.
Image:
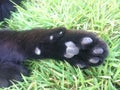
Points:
x=51 y=37
x=37 y=51
x=86 y=40
x=71 y=49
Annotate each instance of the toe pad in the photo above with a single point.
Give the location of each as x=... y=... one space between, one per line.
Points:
x=86 y=40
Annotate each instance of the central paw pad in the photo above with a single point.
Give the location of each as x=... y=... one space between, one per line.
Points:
x=71 y=49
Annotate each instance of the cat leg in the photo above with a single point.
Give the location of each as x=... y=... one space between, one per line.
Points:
x=11 y=71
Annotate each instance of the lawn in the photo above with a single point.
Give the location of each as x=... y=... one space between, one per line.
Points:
x=99 y=16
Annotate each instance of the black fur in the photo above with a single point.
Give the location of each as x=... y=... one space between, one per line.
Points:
x=17 y=46
x=6 y=6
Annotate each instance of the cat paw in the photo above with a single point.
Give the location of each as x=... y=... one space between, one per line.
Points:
x=10 y=72
x=84 y=49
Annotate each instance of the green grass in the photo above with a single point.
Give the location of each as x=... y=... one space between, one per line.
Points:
x=99 y=16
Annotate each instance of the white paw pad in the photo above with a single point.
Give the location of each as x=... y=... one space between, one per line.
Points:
x=51 y=37
x=37 y=51
x=81 y=65
x=94 y=60
x=86 y=40
x=71 y=49
x=61 y=33
x=98 y=51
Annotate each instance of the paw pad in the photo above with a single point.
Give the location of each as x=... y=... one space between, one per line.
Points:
x=94 y=60
x=86 y=40
x=37 y=51
x=98 y=51
x=51 y=37
x=61 y=33
x=71 y=49
x=81 y=65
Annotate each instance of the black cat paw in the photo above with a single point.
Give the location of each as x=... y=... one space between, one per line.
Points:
x=9 y=72
x=84 y=49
